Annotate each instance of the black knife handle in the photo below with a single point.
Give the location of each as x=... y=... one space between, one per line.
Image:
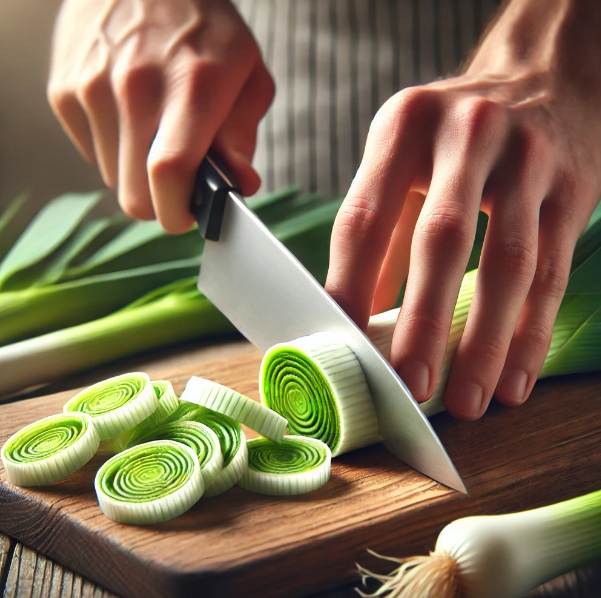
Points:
x=212 y=185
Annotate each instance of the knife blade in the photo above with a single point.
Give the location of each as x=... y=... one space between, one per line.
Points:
x=271 y=298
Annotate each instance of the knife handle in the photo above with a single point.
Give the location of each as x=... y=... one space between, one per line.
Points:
x=212 y=185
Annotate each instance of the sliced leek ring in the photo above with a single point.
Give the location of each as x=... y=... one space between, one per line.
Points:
x=117 y=404
x=294 y=466
x=168 y=402
x=317 y=384
x=199 y=437
x=231 y=403
x=149 y=483
x=50 y=449
x=231 y=439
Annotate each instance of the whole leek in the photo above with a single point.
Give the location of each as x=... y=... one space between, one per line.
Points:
x=501 y=556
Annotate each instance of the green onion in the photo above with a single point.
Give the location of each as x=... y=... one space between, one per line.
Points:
x=149 y=483
x=50 y=449
x=116 y=405
x=502 y=556
x=317 y=384
x=199 y=437
x=295 y=465
x=231 y=440
x=231 y=403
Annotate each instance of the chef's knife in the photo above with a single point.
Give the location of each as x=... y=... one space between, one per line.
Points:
x=271 y=298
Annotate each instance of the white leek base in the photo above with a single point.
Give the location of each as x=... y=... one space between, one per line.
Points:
x=154 y=511
x=123 y=418
x=58 y=466
x=287 y=484
x=230 y=475
x=219 y=398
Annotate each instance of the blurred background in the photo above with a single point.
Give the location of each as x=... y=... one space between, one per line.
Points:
x=34 y=152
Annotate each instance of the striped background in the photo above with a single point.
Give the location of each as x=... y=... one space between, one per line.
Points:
x=335 y=62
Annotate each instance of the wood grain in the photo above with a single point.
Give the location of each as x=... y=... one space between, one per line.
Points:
x=249 y=545
x=33 y=576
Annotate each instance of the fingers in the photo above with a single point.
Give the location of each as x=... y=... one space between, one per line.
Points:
x=95 y=95
x=73 y=120
x=507 y=268
x=396 y=263
x=442 y=242
x=532 y=337
x=235 y=141
x=140 y=93
x=396 y=144
x=199 y=100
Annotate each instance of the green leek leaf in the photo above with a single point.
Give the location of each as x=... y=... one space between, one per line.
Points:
x=36 y=311
x=140 y=244
x=51 y=227
x=9 y=229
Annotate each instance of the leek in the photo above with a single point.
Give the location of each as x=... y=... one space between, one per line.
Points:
x=317 y=384
x=149 y=483
x=167 y=403
x=50 y=449
x=224 y=400
x=116 y=405
x=231 y=440
x=295 y=465
x=199 y=437
x=501 y=556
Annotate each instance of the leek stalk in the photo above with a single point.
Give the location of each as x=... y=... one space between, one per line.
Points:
x=501 y=556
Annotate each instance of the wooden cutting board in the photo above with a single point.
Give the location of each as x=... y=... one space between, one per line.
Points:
x=243 y=544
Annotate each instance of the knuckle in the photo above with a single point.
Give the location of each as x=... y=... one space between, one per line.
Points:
x=197 y=78
x=481 y=116
x=538 y=335
x=137 y=83
x=357 y=216
x=447 y=225
x=92 y=88
x=168 y=164
x=551 y=279
x=406 y=106
x=491 y=348
x=517 y=256
x=59 y=99
x=434 y=326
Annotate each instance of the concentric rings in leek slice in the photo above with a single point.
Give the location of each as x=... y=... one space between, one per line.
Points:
x=149 y=483
x=199 y=437
x=231 y=439
x=168 y=402
x=294 y=466
x=50 y=449
x=117 y=404
x=317 y=384
x=231 y=403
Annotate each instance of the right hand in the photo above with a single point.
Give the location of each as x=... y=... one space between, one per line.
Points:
x=145 y=88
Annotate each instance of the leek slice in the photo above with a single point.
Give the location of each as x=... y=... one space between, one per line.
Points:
x=232 y=441
x=500 y=556
x=117 y=404
x=50 y=449
x=293 y=466
x=317 y=384
x=168 y=402
x=149 y=483
x=219 y=398
x=199 y=437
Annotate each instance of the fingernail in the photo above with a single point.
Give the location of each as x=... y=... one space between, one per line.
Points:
x=416 y=376
x=512 y=387
x=467 y=399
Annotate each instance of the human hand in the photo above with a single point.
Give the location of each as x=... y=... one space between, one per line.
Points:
x=145 y=88
x=517 y=138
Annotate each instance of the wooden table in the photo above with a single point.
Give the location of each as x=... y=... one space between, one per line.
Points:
x=25 y=573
